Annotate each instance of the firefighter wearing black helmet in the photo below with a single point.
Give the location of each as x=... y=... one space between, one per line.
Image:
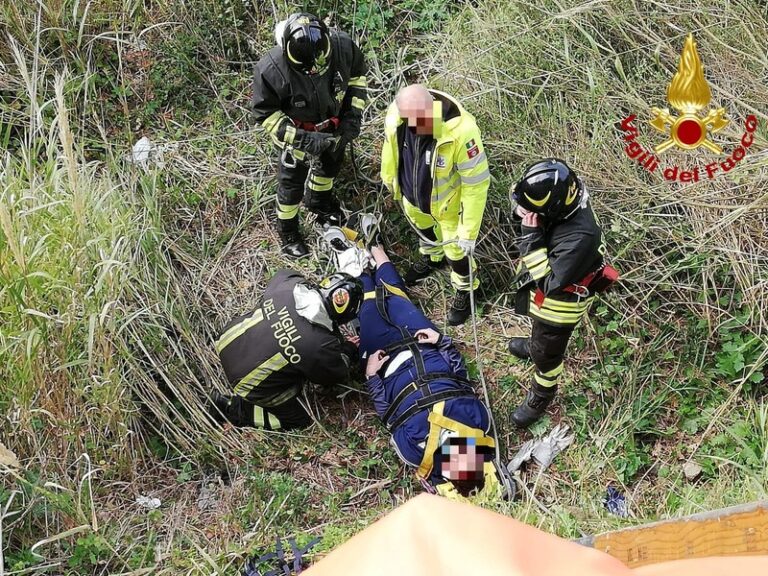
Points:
x=309 y=93
x=562 y=269
x=291 y=338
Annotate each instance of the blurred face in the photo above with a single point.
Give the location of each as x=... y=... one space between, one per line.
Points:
x=462 y=460
x=420 y=116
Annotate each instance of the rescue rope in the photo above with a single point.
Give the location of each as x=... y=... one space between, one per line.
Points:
x=478 y=360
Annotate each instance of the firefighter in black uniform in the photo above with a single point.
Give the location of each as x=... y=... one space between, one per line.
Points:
x=562 y=251
x=309 y=93
x=292 y=337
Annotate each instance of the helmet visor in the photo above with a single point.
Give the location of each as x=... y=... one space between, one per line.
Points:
x=308 y=49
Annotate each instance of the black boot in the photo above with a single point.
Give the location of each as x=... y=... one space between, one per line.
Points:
x=534 y=405
x=421 y=269
x=232 y=409
x=293 y=243
x=461 y=308
x=221 y=407
x=327 y=208
x=520 y=347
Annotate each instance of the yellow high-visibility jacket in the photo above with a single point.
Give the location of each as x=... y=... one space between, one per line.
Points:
x=460 y=174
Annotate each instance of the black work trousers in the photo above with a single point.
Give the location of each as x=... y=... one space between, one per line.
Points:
x=319 y=195
x=547 y=348
x=289 y=415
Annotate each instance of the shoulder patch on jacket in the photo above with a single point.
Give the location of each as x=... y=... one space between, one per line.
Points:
x=472 y=149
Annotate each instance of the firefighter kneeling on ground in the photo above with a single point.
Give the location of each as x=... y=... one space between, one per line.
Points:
x=562 y=251
x=419 y=387
x=291 y=338
x=309 y=93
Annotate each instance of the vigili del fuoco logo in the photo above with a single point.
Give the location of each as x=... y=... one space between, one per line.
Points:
x=690 y=129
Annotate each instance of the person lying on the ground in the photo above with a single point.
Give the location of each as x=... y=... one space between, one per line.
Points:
x=291 y=338
x=419 y=387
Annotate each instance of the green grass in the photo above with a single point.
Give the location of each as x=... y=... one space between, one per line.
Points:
x=114 y=280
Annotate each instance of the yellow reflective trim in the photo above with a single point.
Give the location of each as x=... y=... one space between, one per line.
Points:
x=556 y=317
x=394 y=290
x=433 y=437
x=534 y=268
x=258 y=418
x=369 y=296
x=290 y=56
x=319 y=187
x=535 y=256
x=358 y=82
x=541 y=202
x=260 y=373
x=560 y=306
x=556 y=371
x=287 y=211
x=320 y=183
x=358 y=103
x=272 y=122
x=321 y=179
x=540 y=272
x=541 y=381
x=535 y=260
x=282 y=397
x=290 y=134
x=238 y=329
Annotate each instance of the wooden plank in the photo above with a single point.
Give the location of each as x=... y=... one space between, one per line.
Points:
x=736 y=531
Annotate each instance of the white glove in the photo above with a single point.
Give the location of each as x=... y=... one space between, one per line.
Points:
x=522 y=456
x=543 y=450
x=551 y=445
x=355 y=261
x=467 y=246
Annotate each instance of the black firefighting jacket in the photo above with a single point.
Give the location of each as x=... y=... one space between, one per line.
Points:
x=556 y=256
x=289 y=339
x=282 y=95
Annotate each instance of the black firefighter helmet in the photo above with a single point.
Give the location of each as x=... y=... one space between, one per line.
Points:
x=549 y=188
x=343 y=295
x=306 y=43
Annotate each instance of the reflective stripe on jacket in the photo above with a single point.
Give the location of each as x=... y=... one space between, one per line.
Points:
x=269 y=353
x=282 y=94
x=460 y=173
x=557 y=256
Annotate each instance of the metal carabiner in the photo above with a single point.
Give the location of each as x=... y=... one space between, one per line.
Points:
x=581 y=291
x=284 y=157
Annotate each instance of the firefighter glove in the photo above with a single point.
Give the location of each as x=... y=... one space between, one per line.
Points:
x=314 y=143
x=349 y=128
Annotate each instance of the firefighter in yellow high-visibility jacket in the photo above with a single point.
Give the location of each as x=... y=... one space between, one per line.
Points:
x=434 y=161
